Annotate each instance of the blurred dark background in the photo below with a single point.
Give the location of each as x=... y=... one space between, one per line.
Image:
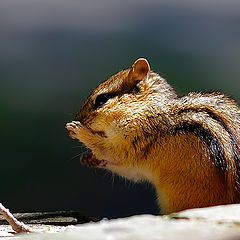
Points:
x=54 y=52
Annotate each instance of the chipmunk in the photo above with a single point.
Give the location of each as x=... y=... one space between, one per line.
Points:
x=187 y=147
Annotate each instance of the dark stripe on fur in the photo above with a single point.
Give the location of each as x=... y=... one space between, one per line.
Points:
x=206 y=136
x=223 y=124
x=231 y=135
x=135 y=141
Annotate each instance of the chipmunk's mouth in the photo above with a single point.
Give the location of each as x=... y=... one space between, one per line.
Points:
x=90 y=160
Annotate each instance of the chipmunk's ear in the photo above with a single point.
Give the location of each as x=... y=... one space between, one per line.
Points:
x=139 y=71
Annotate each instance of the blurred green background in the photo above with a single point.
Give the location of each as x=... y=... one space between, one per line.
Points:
x=54 y=52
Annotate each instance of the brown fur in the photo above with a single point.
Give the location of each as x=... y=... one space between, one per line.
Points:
x=187 y=147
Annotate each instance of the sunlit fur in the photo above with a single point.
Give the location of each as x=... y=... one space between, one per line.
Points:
x=187 y=147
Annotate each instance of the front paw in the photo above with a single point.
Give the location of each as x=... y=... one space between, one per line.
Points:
x=72 y=128
x=90 y=160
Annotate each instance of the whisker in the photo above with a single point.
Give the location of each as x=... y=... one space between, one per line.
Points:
x=69 y=114
x=78 y=155
x=113 y=180
x=80 y=146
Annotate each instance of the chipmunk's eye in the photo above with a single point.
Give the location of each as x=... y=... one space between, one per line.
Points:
x=103 y=98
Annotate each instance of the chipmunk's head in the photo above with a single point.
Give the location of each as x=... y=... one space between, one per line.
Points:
x=112 y=119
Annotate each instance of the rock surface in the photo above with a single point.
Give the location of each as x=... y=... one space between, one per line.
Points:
x=221 y=222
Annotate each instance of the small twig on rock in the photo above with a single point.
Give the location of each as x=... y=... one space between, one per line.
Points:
x=16 y=225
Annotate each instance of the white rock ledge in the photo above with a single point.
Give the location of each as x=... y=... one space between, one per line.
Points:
x=221 y=222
